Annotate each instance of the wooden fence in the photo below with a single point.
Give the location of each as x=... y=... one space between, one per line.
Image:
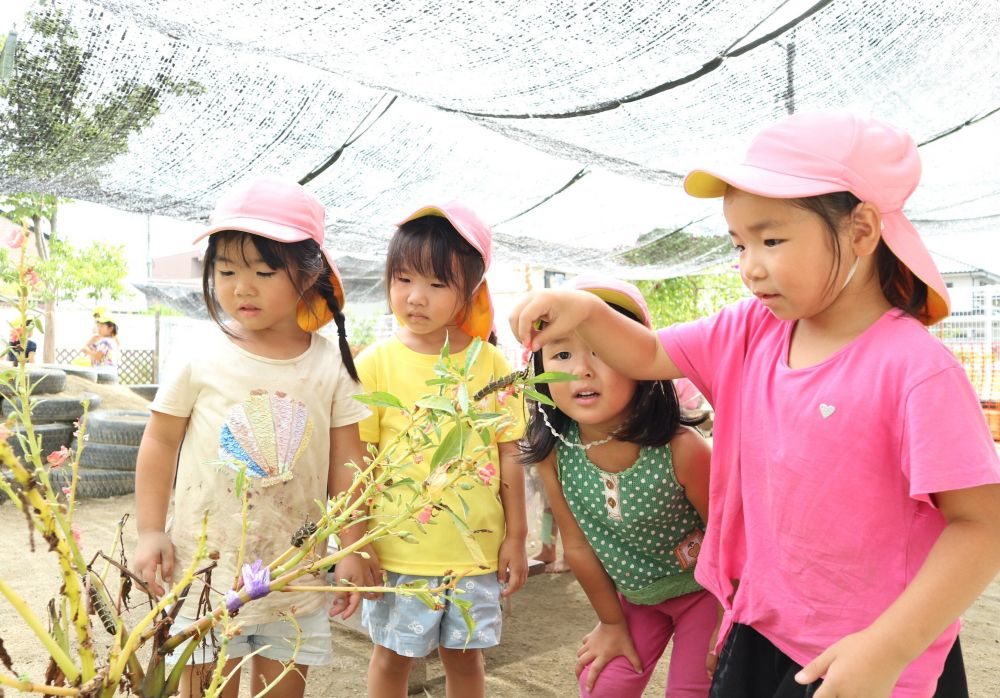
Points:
x=137 y=365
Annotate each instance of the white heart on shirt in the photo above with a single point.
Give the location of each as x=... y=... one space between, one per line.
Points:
x=826 y=410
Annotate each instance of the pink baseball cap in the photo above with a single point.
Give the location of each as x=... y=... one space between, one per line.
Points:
x=824 y=152
x=284 y=211
x=477 y=320
x=611 y=290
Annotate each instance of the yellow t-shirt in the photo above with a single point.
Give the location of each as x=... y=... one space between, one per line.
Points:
x=390 y=366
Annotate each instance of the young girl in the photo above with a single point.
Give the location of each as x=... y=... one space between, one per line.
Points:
x=434 y=276
x=267 y=396
x=852 y=519
x=103 y=348
x=628 y=486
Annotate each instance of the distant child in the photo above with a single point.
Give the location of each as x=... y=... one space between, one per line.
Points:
x=854 y=505
x=104 y=347
x=627 y=479
x=21 y=347
x=268 y=396
x=434 y=274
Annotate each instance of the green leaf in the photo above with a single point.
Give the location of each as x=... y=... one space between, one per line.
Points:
x=551 y=377
x=465 y=606
x=380 y=399
x=450 y=446
x=486 y=435
x=463 y=397
x=538 y=397
x=472 y=353
x=437 y=402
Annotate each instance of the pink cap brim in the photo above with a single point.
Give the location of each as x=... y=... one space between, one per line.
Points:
x=711 y=184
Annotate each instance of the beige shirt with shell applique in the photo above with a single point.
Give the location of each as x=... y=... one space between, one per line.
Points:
x=275 y=417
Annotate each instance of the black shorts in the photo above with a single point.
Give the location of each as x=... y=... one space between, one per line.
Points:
x=750 y=666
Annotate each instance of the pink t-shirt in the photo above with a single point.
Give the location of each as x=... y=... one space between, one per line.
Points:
x=820 y=476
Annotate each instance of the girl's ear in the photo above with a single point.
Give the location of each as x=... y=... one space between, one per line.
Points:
x=866 y=228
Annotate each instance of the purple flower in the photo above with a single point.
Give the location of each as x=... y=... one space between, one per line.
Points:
x=256 y=581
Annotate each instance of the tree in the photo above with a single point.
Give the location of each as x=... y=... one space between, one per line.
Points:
x=96 y=271
x=50 y=124
x=690 y=297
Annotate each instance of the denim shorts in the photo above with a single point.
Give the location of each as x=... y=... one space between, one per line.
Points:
x=277 y=638
x=405 y=625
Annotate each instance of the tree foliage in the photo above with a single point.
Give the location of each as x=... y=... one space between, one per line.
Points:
x=54 y=119
x=690 y=297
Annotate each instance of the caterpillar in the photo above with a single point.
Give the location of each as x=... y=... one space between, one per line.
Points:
x=103 y=612
x=305 y=530
x=502 y=383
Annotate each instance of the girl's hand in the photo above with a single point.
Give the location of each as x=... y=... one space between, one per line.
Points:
x=560 y=311
x=856 y=666
x=357 y=572
x=154 y=549
x=512 y=566
x=601 y=645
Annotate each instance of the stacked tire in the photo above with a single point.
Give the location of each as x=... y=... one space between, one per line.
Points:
x=112 y=446
x=53 y=416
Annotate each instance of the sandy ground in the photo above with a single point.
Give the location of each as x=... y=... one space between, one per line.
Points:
x=543 y=625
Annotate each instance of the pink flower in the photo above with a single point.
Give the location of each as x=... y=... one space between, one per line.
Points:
x=66 y=490
x=526 y=354
x=418 y=458
x=487 y=473
x=31 y=277
x=506 y=393
x=57 y=458
x=76 y=535
x=425 y=514
x=15 y=238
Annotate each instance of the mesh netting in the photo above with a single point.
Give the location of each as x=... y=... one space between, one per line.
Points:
x=566 y=124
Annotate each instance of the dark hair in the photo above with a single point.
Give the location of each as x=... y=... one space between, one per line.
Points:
x=112 y=325
x=655 y=415
x=900 y=286
x=300 y=260
x=431 y=246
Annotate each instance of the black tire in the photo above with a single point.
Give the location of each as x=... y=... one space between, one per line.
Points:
x=122 y=427
x=101 y=456
x=71 y=370
x=43 y=381
x=46 y=409
x=146 y=390
x=107 y=377
x=53 y=437
x=94 y=483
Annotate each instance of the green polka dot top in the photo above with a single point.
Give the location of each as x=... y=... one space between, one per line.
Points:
x=639 y=522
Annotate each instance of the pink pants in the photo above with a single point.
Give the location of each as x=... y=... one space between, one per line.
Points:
x=690 y=619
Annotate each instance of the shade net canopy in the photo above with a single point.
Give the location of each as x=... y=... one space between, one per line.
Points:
x=566 y=124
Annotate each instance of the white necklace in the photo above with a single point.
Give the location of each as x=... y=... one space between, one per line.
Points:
x=585 y=447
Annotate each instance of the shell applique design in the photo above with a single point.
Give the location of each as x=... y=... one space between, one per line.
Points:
x=267 y=433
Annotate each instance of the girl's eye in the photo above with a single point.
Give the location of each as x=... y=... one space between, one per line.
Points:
x=771 y=242
x=737 y=248
x=402 y=280
x=226 y=273
x=266 y=274
x=439 y=284
x=561 y=356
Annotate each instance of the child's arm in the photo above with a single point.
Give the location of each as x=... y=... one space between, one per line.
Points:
x=963 y=561
x=691 y=457
x=346 y=446
x=623 y=344
x=155 y=467
x=512 y=561
x=611 y=637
